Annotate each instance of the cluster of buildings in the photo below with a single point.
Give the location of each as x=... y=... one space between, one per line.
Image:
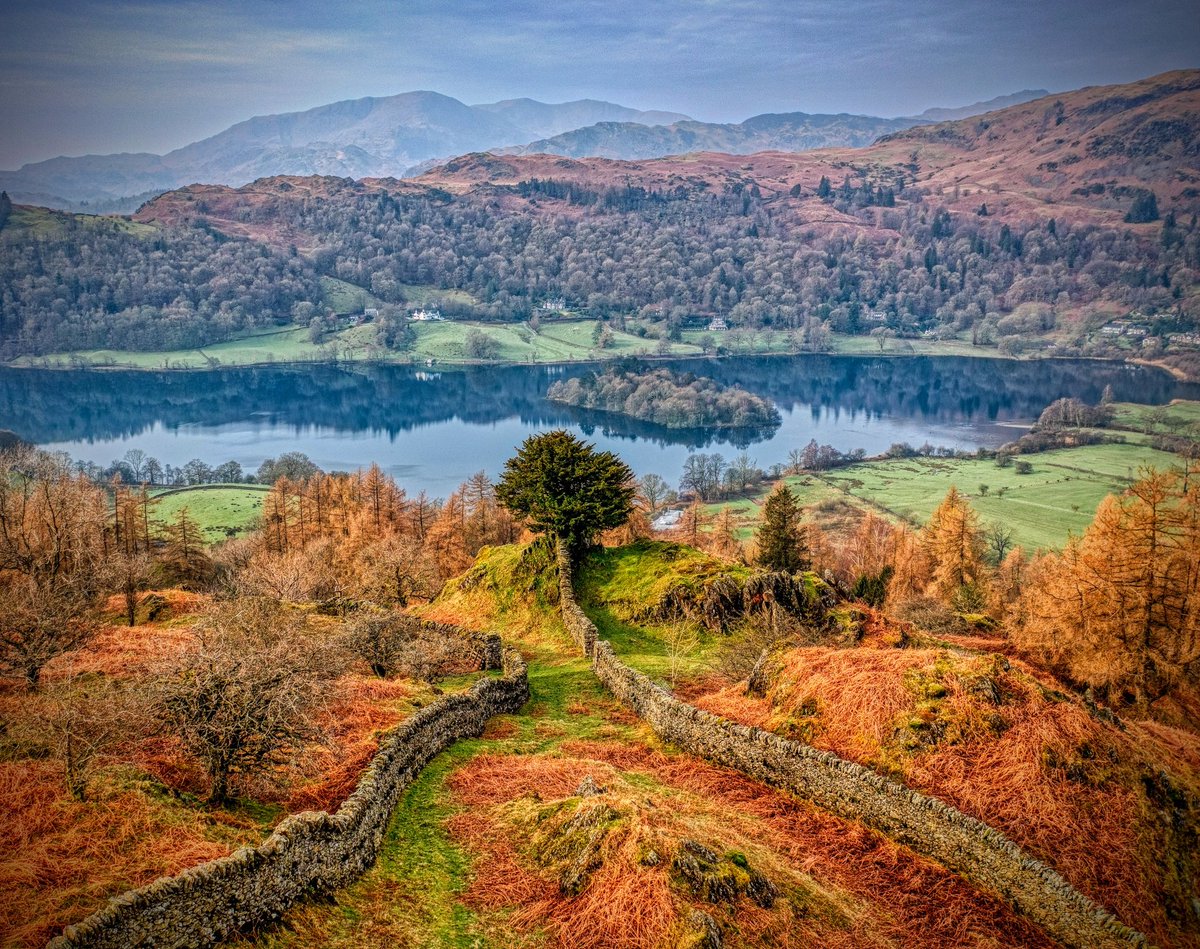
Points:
x=1123 y=328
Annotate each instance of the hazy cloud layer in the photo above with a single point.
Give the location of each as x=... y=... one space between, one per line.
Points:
x=89 y=76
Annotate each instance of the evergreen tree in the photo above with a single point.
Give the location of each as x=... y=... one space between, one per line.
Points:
x=566 y=489
x=1144 y=209
x=781 y=541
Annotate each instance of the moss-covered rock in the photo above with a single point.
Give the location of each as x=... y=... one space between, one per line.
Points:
x=722 y=879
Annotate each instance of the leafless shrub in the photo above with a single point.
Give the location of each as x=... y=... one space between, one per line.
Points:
x=397 y=569
x=240 y=697
x=51 y=560
x=39 y=622
x=91 y=714
x=931 y=616
x=757 y=633
x=681 y=639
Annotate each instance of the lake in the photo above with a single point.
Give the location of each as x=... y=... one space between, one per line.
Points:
x=432 y=428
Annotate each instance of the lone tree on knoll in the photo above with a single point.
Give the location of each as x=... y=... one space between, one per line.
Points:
x=566 y=489
x=781 y=540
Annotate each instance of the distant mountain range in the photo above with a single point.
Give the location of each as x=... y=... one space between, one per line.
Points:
x=787 y=132
x=408 y=133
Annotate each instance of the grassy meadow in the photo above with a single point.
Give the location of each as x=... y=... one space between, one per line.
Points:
x=222 y=510
x=555 y=340
x=1057 y=498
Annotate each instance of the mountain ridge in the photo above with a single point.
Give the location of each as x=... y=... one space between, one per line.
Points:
x=405 y=134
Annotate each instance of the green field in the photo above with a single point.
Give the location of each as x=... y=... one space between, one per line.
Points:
x=221 y=510
x=264 y=347
x=43 y=222
x=427 y=295
x=440 y=341
x=1057 y=498
x=809 y=490
x=554 y=341
x=1175 y=417
x=342 y=297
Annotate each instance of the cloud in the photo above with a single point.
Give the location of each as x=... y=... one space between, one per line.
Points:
x=94 y=75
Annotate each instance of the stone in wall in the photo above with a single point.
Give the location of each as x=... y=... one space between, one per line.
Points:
x=963 y=844
x=581 y=629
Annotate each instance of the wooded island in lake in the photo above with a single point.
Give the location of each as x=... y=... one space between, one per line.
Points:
x=676 y=400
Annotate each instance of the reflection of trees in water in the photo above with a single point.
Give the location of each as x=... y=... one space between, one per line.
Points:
x=46 y=406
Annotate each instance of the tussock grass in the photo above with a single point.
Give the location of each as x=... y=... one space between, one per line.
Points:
x=61 y=859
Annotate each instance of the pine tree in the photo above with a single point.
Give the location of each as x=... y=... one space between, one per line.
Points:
x=781 y=541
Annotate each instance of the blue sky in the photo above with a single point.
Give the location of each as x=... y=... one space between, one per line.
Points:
x=85 y=76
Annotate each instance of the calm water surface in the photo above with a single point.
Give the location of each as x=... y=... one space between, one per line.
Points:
x=432 y=429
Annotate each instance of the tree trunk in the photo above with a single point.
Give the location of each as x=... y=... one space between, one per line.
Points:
x=33 y=675
x=219 y=775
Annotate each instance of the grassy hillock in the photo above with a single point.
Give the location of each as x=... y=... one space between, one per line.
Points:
x=1003 y=742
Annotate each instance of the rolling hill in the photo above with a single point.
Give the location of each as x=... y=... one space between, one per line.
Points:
x=1014 y=229
x=354 y=137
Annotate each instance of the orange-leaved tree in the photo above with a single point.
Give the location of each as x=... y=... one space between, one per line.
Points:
x=954 y=541
x=1119 y=608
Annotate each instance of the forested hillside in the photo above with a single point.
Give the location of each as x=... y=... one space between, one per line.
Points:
x=75 y=282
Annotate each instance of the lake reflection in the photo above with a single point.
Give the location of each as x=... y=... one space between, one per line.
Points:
x=432 y=429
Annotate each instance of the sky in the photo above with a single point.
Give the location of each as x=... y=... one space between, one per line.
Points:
x=91 y=77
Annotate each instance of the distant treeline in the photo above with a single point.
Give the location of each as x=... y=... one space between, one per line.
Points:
x=136 y=467
x=676 y=400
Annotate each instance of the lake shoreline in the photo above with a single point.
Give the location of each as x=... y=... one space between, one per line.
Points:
x=433 y=428
x=449 y=366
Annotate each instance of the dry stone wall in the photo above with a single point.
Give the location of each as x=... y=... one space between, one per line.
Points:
x=486 y=647
x=963 y=844
x=309 y=853
x=581 y=629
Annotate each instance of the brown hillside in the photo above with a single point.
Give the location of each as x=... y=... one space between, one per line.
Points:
x=1061 y=149
x=1076 y=156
